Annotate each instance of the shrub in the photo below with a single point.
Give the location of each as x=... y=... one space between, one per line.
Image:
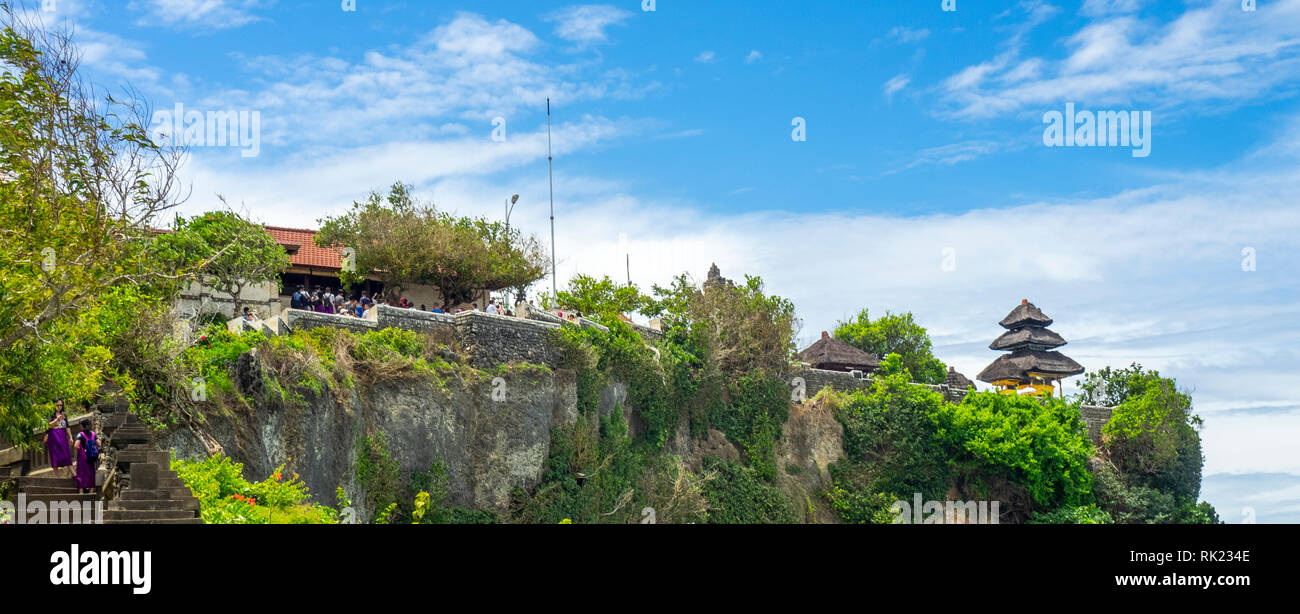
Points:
x=1039 y=444
x=739 y=495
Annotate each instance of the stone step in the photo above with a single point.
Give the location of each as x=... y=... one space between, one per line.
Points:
x=72 y=496
x=129 y=436
x=45 y=481
x=126 y=457
x=190 y=504
x=195 y=520
x=49 y=490
x=133 y=494
x=148 y=514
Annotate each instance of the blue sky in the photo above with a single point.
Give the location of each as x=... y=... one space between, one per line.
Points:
x=924 y=142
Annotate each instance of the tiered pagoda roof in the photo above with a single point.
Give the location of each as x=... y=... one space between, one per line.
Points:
x=1031 y=359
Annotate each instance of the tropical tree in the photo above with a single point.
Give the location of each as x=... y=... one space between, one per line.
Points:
x=895 y=334
x=233 y=253
x=1151 y=451
x=405 y=242
x=602 y=296
x=80 y=185
x=735 y=327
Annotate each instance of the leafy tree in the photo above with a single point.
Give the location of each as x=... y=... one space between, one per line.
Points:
x=895 y=334
x=81 y=181
x=733 y=327
x=1037 y=444
x=234 y=252
x=405 y=242
x=891 y=448
x=602 y=296
x=80 y=185
x=1150 y=470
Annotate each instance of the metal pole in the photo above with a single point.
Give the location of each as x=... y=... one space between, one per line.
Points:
x=550 y=177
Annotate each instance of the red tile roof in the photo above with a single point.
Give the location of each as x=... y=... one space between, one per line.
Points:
x=309 y=254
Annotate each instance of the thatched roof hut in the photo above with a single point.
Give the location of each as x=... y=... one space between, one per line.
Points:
x=835 y=355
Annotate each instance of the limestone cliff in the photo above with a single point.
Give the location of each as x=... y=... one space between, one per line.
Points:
x=490 y=444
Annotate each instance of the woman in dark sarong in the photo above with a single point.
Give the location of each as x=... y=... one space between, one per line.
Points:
x=58 y=442
x=85 y=468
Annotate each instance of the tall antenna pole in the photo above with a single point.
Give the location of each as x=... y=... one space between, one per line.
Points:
x=550 y=177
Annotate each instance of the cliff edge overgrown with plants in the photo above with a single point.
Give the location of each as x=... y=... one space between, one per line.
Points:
x=699 y=426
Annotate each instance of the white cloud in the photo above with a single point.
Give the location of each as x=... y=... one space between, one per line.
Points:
x=209 y=14
x=904 y=34
x=1212 y=54
x=705 y=57
x=586 y=23
x=895 y=85
x=1106 y=7
x=954 y=153
x=465 y=72
x=753 y=56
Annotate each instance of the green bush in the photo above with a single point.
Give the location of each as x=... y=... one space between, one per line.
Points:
x=1037 y=443
x=378 y=473
x=225 y=497
x=1086 y=514
x=891 y=441
x=739 y=495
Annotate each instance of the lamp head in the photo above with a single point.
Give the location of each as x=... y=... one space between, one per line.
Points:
x=514 y=199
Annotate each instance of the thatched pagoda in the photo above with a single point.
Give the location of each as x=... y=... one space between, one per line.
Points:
x=1032 y=363
x=833 y=354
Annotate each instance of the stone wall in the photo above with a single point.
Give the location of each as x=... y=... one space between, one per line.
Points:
x=1095 y=417
x=816 y=379
x=414 y=319
x=307 y=320
x=494 y=339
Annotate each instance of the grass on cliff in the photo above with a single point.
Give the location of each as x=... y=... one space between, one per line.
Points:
x=321 y=360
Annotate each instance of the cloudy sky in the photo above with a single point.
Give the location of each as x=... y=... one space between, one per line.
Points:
x=922 y=182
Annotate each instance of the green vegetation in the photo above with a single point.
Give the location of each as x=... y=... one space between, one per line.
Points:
x=377 y=473
x=403 y=241
x=1002 y=445
x=238 y=252
x=895 y=334
x=225 y=497
x=1149 y=470
x=591 y=296
x=739 y=495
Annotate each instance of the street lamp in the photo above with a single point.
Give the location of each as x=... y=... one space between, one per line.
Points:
x=510 y=207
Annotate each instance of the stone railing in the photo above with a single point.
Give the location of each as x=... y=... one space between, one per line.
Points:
x=840 y=381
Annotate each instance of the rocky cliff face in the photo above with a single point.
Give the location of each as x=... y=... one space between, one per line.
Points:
x=810 y=441
x=490 y=444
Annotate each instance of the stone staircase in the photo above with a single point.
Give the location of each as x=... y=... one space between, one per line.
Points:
x=135 y=482
x=147 y=490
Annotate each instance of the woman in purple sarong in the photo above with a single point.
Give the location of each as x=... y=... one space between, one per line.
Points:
x=85 y=467
x=58 y=443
